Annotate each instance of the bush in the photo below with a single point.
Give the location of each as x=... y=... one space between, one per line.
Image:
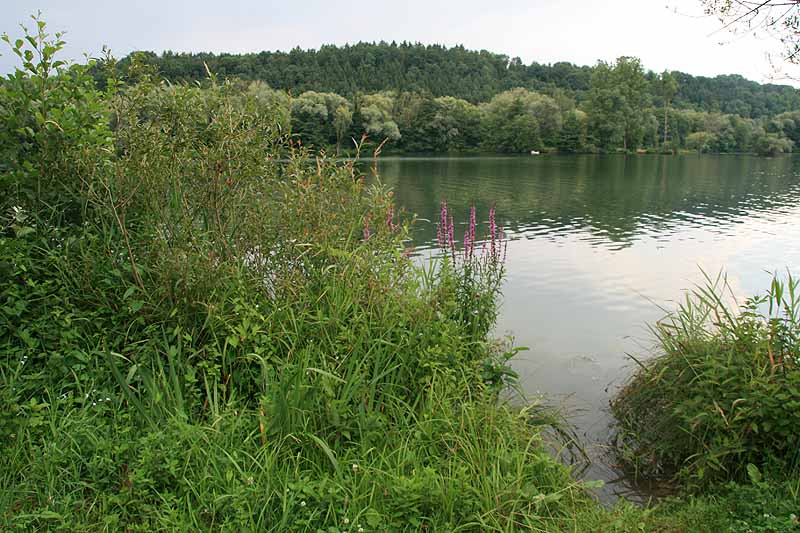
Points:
x=724 y=396
x=225 y=334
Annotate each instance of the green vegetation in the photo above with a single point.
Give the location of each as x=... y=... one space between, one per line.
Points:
x=736 y=508
x=720 y=406
x=722 y=401
x=438 y=100
x=205 y=327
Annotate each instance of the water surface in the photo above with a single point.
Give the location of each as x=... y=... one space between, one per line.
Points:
x=599 y=245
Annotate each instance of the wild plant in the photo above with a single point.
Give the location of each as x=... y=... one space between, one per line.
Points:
x=476 y=268
x=55 y=128
x=724 y=393
x=224 y=332
x=473 y=273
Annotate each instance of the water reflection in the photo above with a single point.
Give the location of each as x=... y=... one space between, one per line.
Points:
x=612 y=200
x=601 y=244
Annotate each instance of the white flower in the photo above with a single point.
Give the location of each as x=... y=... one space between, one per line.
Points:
x=346 y=521
x=355 y=467
x=303 y=503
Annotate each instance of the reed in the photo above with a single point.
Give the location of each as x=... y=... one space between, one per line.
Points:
x=721 y=400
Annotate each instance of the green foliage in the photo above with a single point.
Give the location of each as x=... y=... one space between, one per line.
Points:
x=226 y=335
x=702 y=141
x=724 y=395
x=616 y=104
x=442 y=471
x=435 y=100
x=787 y=124
x=321 y=118
x=516 y=120
x=375 y=112
x=764 y=507
x=53 y=123
x=475 y=76
x=444 y=124
x=573 y=138
x=204 y=326
x=770 y=144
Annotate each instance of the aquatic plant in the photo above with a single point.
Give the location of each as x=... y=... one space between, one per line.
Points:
x=721 y=400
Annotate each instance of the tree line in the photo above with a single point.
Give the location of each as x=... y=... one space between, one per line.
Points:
x=437 y=99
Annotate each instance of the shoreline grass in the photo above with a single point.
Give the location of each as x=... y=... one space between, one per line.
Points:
x=193 y=337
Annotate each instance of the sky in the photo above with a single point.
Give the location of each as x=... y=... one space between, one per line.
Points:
x=675 y=35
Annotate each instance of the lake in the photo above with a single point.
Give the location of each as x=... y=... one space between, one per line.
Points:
x=599 y=246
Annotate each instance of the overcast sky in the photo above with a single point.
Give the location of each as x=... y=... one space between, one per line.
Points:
x=665 y=35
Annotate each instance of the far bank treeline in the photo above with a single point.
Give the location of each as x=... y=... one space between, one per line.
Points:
x=437 y=99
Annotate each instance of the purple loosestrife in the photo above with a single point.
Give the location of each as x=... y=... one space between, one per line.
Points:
x=441 y=234
x=469 y=236
x=451 y=238
x=493 y=249
x=492 y=231
x=472 y=227
x=390 y=218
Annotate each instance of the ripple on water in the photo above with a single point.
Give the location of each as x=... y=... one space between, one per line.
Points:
x=599 y=243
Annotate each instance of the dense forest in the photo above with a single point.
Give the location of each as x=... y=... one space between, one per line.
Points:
x=437 y=99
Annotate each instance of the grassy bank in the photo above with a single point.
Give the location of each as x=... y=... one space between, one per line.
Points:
x=205 y=327
x=722 y=402
x=717 y=411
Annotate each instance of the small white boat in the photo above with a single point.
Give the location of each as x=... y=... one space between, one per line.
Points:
x=534 y=152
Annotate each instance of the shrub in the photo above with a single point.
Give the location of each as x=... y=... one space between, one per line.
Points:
x=225 y=334
x=724 y=394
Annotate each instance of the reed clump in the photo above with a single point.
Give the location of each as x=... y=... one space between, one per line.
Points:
x=721 y=401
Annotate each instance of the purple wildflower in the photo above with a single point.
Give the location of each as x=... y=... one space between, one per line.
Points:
x=390 y=218
x=451 y=238
x=492 y=230
x=472 y=224
x=471 y=247
x=442 y=230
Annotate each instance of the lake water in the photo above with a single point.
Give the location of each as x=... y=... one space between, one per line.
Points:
x=598 y=245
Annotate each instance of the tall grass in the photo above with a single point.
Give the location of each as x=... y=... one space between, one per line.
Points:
x=722 y=400
x=224 y=333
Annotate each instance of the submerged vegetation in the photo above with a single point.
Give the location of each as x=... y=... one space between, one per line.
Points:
x=444 y=100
